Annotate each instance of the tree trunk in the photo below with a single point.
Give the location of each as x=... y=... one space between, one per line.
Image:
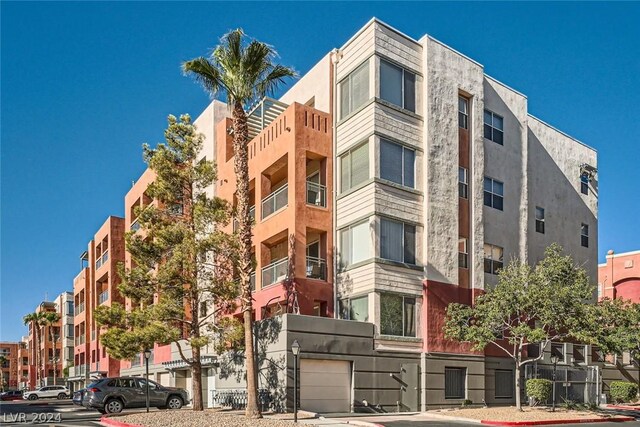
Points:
x=53 y=343
x=517 y=374
x=38 y=357
x=241 y=166
x=196 y=380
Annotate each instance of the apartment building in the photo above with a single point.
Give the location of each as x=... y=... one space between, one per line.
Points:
x=23 y=363
x=619 y=276
x=10 y=365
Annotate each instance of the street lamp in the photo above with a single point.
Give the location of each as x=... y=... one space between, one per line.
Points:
x=147 y=355
x=554 y=360
x=295 y=349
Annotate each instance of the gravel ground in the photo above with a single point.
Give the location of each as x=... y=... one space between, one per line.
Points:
x=209 y=417
x=511 y=414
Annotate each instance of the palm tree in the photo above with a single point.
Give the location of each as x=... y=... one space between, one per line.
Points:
x=36 y=319
x=49 y=319
x=244 y=72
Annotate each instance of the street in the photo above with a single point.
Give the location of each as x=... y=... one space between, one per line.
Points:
x=50 y=412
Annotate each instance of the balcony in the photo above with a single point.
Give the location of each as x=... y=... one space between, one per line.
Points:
x=316 y=268
x=275 y=201
x=79 y=340
x=78 y=309
x=77 y=371
x=316 y=194
x=103 y=297
x=135 y=225
x=275 y=272
x=102 y=260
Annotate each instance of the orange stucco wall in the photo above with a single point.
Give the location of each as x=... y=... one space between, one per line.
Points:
x=620 y=276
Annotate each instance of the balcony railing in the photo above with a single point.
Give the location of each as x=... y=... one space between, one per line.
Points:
x=78 y=309
x=316 y=194
x=77 y=371
x=275 y=272
x=103 y=297
x=79 y=340
x=275 y=201
x=102 y=259
x=135 y=225
x=316 y=268
x=252 y=215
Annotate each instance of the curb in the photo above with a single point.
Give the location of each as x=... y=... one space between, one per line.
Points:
x=107 y=421
x=624 y=408
x=551 y=422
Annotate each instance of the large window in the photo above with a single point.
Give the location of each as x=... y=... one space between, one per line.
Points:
x=504 y=384
x=397 y=85
x=463 y=253
x=397 y=163
x=354 y=90
x=493 y=127
x=493 y=193
x=397 y=241
x=354 y=243
x=355 y=309
x=463 y=112
x=397 y=315
x=540 y=219
x=493 y=258
x=69 y=308
x=354 y=167
x=463 y=182
x=584 y=235
x=455 y=383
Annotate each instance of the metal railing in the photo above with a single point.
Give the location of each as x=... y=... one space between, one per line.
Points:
x=103 y=297
x=237 y=399
x=316 y=194
x=79 y=340
x=103 y=259
x=275 y=201
x=316 y=268
x=78 y=309
x=275 y=272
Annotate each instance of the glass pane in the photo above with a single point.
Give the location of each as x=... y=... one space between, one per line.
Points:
x=343 y=308
x=487 y=251
x=344 y=98
x=497 y=122
x=487 y=199
x=360 y=242
x=497 y=253
x=498 y=188
x=391 y=240
x=409 y=91
x=487 y=117
x=487 y=131
x=539 y=213
x=462 y=175
x=345 y=172
x=462 y=105
x=498 y=202
x=409 y=244
x=462 y=245
x=390 y=314
x=498 y=136
x=584 y=230
x=488 y=184
x=360 y=86
x=409 y=167
x=391 y=161
x=359 y=165
x=409 y=317
x=391 y=83
x=345 y=247
x=360 y=309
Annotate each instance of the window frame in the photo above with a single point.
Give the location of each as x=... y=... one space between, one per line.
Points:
x=348 y=80
x=584 y=184
x=463 y=186
x=492 y=127
x=404 y=235
x=494 y=269
x=463 y=116
x=404 y=299
x=463 y=257
x=495 y=385
x=540 y=221
x=402 y=155
x=349 y=307
x=349 y=229
x=403 y=94
x=349 y=154
x=584 y=235
x=492 y=194
x=464 y=386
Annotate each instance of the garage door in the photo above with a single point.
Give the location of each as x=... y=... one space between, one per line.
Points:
x=164 y=378
x=325 y=385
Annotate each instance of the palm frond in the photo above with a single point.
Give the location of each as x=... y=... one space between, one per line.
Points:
x=206 y=73
x=274 y=78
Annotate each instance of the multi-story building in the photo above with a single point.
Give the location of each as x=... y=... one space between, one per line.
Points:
x=79 y=373
x=64 y=307
x=10 y=367
x=619 y=277
x=23 y=363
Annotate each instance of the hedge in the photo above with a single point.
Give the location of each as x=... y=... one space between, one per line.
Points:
x=539 y=389
x=623 y=391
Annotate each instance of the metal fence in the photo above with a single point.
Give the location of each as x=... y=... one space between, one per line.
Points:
x=237 y=398
x=578 y=384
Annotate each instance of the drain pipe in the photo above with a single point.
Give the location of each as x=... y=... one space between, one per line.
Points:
x=335 y=57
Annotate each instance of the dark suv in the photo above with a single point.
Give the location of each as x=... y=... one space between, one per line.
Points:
x=112 y=395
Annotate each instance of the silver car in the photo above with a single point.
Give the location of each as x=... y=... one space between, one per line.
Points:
x=112 y=395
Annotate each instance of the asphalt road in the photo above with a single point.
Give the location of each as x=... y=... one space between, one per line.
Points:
x=49 y=412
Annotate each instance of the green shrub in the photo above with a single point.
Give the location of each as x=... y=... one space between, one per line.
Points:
x=570 y=404
x=466 y=403
x=539 y=389
x=623 y=391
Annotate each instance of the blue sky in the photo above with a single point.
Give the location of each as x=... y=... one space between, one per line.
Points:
x=84 y=84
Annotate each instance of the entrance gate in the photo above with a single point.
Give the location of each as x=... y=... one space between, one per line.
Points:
x=579 y=384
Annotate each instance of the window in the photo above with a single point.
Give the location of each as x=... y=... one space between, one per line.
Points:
x=455 y=383
x=578 y=353
x=557 y=349
x=463 y=112
x=533 y=350
x=493 y=193
x=493 y=127
x=463 y=253
x=504 y=384
x=355 y=241
x=397 y=241
x=584 y=235
x=69 y=333
x=397 y=163
x=584 y=184
x=354 y=90
x=397 y=85
x=69 y=308
x=397 y=315
x=493 y=258
x=540 y=219
x=354 y=167
x=355 y=309
x=463 y=182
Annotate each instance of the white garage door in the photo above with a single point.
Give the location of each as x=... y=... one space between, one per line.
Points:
x=164 y=378
x=325 y=385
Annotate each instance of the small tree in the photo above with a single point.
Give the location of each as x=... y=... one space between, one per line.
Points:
x=182 y=274
x=539 y=389
x=528 y=305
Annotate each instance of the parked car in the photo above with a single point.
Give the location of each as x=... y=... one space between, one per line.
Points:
x=11 y=395
x=112 y=395
x=77 y=396
x=58 y=391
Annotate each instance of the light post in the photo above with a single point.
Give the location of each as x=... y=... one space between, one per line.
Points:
x=295 y=349
x=554 y=360
x=147 y=355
